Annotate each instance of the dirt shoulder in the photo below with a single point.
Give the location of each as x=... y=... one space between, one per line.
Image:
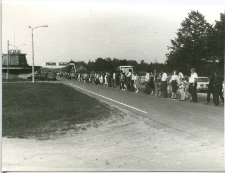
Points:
x=123 y=142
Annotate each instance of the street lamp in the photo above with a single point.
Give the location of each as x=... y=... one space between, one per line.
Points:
x=33 y=49
x=15 y=47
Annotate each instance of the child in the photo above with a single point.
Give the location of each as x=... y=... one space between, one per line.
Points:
x=186 y=87
x=182 y=89
x=136 y=81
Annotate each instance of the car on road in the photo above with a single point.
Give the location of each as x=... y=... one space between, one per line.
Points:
x=203 y=83
x=51 y=76
x=36 y=77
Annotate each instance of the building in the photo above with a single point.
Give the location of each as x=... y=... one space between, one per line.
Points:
x=16 y=62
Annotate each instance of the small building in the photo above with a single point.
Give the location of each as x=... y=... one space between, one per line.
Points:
x=16 y=62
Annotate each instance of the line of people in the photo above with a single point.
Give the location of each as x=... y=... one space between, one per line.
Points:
x=166 y=85
x=160 y=83
x=125 y=81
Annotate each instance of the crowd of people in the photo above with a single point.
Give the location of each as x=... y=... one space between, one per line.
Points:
x=158 y=83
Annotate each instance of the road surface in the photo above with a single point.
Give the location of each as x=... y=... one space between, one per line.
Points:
x=205 y=122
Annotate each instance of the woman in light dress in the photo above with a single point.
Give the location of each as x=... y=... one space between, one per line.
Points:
x=136 y=82
x=174 y=81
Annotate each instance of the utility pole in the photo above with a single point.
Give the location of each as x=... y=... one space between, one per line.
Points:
x=33 y=79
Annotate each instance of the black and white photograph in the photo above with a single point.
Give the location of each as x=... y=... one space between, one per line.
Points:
x=113 y=85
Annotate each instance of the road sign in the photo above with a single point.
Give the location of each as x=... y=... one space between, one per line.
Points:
x=63 y=63
x=50 y=63
x=72 y=63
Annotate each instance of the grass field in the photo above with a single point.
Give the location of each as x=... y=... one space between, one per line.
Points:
x=15 y=80
x=39 y=110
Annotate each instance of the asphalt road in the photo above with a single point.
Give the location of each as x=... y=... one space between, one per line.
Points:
x=205 y=122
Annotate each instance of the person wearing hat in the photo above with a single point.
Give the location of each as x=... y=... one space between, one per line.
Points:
x=193 y=85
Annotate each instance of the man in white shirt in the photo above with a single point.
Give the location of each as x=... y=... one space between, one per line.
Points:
x=193 y=85
x=147 y=80
x=155 y=82
x=164 y=84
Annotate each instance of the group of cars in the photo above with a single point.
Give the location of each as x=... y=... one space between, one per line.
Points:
x=44 y=76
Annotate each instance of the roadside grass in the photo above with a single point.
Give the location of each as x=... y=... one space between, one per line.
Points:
x=41 y=110
x=15 y=80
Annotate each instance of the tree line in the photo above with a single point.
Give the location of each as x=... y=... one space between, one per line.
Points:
x=111 y=64
x=197 y=44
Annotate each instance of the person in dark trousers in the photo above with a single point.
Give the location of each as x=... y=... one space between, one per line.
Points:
x=132 y=82
x=147 y=85
x=218 y=84
x=117 y=76
x=193 y=85
x=164 y=84
x=128 y=77
x=211 y=89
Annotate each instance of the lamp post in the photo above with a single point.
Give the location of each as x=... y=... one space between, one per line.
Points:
x=33 y=49
x=15 y=47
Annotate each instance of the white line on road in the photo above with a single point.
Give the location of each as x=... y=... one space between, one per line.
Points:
x=108 y=98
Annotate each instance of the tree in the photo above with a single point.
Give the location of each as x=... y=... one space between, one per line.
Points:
x=190 y=46
x=216 y=42
x=100 y=65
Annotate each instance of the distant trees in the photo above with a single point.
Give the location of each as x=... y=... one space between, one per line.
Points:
x=109 y=64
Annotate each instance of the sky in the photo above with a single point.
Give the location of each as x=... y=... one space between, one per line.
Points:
x=83 y=31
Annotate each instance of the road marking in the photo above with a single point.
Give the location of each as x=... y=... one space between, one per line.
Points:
x=107 y=98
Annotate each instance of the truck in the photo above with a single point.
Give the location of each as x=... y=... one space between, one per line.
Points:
x=125 y=69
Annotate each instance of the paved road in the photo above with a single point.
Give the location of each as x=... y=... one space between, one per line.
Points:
x=205 y=122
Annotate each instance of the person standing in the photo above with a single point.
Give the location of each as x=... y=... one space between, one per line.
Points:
x=159 y=84
x=164 y=84
x=181 y=88
x=117 y=80
x=106 y=79
x=211 y=89
x=122 y=79
x=128 y=80
x=151 y=83
x=218 y=84
x=132 y=82
x=180 y=75
x=155 y=82
x=136 y=81
x=174 y=82
x=101 y=79
x=186 y=89
x=113 y=80
x=193 y=85
x=147 y=87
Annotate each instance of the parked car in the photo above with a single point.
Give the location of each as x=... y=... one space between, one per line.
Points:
x=36 y=77
x=203 y=83
x=51 y=76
